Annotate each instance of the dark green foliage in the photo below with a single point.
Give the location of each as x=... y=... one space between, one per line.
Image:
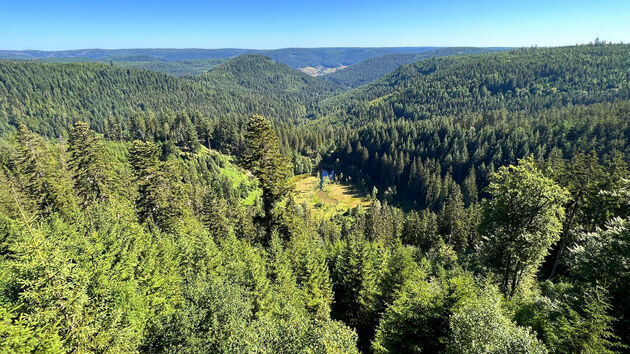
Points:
x=429 y=124
x=355 y=265
x=332 y=57
x=437 y=153
x=374 y=68
x=264 y=160
x=166 y=54
x=147 y=240
x=48 y=97
x=294 y=57
x=175 y=68
x=420 y=229
x=528 y=79
x=161 y=195
x=569 y=319
x=258 y=74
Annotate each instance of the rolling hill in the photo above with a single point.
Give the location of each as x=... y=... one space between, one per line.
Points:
x=293 y=57
x=374 y=68
x=49 y=97
x=261 y=75
x=530 y=79
x=174 y=68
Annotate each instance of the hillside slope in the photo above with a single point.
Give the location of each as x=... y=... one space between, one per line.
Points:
x=293 y=57
x=261 y=75
x=174 y=68
x=374 y=68
x=48 y=97
x=530 y=79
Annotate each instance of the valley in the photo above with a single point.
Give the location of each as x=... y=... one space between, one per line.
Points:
x=319 y=200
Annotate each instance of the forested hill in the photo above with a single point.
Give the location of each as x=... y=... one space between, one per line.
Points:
x=174 y=68
x=109 y=54
x=374 y=68
x=48 y=97
x=332 y=57
x=527 y=79
x=293 y=57
x=259 y=74
x=498 y=221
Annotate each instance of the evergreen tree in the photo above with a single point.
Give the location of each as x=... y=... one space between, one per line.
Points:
x=43 y=180
x=88 y=161
x=264 y=160
x=161 y=195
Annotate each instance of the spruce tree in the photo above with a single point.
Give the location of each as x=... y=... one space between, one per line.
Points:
x=42 y=179
x=264 y=160
x=91 y=174
x=161 y=195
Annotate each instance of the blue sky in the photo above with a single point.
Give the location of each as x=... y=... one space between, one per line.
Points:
x=55 y=25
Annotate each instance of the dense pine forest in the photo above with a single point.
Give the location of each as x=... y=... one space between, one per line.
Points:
x=155 y=209
x=374 y=68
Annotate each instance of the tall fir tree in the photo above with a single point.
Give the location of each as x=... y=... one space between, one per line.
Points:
x=264 y=160
x=88 y=161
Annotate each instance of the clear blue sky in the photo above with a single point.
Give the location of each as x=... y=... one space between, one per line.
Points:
x=260 y=24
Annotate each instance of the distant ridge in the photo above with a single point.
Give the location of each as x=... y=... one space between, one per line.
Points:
x=293 y=57
x=374 y=68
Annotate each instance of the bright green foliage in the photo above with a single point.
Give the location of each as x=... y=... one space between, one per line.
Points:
x=164 y=245
x=82 y=277
x=109 y=281
x=264 y=160
x=39 y=174
x=214 y=216
x=569 y=319
x=399 y=269
x=19 y=336
x=521 y=221
x=481 y=327
x=418 y=320
x=161 y=195
x=88 y=162
x=593 y=199
x=601 y=258
x=307 y=257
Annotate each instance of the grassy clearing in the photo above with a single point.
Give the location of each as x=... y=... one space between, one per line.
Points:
x=335 y=198
x=239 y=176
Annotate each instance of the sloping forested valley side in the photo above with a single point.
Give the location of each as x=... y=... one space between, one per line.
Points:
x=141 y=212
